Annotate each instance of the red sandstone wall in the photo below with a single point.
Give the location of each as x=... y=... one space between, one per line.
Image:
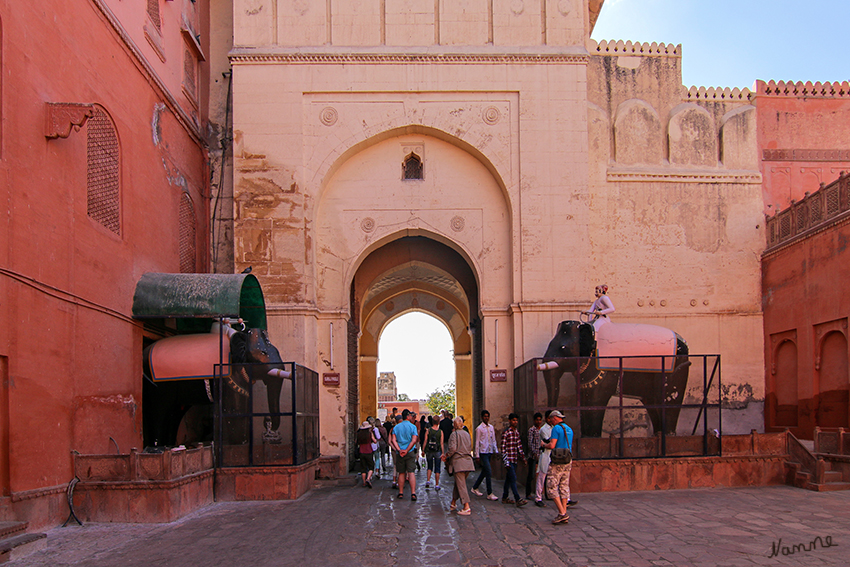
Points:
x=805 y=305
x=72 y=352
x=803 y=138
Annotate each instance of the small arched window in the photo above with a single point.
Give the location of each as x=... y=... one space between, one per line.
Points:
x=103 y=171
x=412 y=167
x=187 y=235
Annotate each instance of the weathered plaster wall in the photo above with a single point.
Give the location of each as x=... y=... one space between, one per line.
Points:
x=305 y=187
x=584 y=169
x=675 y=227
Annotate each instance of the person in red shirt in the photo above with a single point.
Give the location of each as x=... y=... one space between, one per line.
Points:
x=511 y=453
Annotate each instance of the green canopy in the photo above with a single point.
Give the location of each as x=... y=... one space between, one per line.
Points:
x=200 y=296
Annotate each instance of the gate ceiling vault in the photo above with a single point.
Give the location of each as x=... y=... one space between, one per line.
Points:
x=413 y=273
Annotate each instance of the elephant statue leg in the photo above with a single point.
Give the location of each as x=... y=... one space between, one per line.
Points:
x=597 y=387
x=273 y=388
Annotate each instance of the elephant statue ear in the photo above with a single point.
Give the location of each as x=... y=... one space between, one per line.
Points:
x=239 y=347
x=238 y=378
x=586 y=339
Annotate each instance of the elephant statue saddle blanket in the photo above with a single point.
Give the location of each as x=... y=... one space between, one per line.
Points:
x=644 y=348
x=187 y=357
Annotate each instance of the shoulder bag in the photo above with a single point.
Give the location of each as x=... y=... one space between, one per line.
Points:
x=561 y=456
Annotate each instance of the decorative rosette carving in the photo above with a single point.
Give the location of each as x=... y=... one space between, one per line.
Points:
x=328 y=116
x=491 y=115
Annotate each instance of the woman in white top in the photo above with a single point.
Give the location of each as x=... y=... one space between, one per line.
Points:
x=600 y=309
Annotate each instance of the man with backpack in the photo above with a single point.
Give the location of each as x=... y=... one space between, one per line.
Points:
x=560 y=465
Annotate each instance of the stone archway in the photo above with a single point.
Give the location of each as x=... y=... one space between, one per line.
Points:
x=439 y=241
x=415 y=273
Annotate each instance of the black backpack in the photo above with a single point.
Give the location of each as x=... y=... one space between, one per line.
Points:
x=433 y=444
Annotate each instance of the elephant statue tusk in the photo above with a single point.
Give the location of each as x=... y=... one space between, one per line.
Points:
x=276 y=372
x=552 y=365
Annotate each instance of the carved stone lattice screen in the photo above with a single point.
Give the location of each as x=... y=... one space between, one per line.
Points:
x=102 y=172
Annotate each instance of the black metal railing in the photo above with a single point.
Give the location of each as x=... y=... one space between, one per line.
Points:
x=251 y=431
x=674 y=411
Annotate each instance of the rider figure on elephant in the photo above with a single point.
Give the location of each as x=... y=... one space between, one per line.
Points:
x=598 y=313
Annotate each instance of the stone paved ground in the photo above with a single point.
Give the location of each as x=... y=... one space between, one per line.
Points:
x=351 y=526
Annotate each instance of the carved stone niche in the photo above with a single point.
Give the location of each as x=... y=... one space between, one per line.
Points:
x=61 y=117
x=637 y=134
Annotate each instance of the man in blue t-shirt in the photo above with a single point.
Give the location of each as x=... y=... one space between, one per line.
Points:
x=558 y=478
x=403 y=439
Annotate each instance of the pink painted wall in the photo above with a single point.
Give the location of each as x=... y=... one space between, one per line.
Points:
x=803 y=138
x=71 y=351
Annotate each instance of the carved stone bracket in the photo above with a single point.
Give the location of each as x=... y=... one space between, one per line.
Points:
x=62 y=116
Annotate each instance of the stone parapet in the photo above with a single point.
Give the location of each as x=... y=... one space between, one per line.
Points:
x=799 y=88
x=168 y=465
x=636 y=48
x=714 y=94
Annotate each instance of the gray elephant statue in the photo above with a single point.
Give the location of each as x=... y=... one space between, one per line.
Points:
x=574 y=349
x=179 y=373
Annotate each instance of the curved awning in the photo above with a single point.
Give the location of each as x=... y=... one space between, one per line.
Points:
x=200 y=295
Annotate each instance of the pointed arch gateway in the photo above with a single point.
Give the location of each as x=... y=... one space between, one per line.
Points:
x=386 y=245
x=415 y=273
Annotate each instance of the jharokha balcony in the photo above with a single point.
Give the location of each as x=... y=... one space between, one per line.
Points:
x=826 y=206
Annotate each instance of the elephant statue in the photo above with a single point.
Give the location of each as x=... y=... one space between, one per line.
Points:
x=179 y=373
x=576 y=348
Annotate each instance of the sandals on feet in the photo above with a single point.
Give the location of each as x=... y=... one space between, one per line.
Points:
x=400 y=496
x=413 y=497
x=464 y=513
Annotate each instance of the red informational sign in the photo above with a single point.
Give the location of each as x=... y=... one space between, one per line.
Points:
x=330 y=378
x=498 y=375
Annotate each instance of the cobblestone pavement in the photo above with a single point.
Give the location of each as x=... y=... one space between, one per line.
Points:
x=352 y=526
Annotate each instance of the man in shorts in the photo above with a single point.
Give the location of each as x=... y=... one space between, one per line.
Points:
x=403 y=439
x=558 y=477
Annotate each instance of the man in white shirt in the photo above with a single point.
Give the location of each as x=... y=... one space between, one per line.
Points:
x=485 y=448
x=543 y=463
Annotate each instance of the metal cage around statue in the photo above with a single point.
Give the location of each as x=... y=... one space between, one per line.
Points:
x=629 y=425
x=249 y=434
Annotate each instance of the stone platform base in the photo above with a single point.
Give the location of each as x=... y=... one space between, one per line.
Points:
x=667 y=474
x=163 y=487
x=143 y=501
x=265 y=483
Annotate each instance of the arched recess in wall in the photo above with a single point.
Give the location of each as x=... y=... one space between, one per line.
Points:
x=692 y=136
x=738 y=144
x=637 y=134
x=785 y=384
x=366 y=202
x=831 y=365
x=386 y=245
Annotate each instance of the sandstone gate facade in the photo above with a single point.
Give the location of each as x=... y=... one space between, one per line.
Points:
x=486 y=162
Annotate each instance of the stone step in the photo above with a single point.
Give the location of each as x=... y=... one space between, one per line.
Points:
x=828 y=486
x=833 y=476
x=8 y=529
x=18 y=546
x=802 y=479
x=333 y=482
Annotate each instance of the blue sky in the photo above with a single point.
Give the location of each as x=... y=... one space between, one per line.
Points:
x=730 y=43
x=725 y=43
